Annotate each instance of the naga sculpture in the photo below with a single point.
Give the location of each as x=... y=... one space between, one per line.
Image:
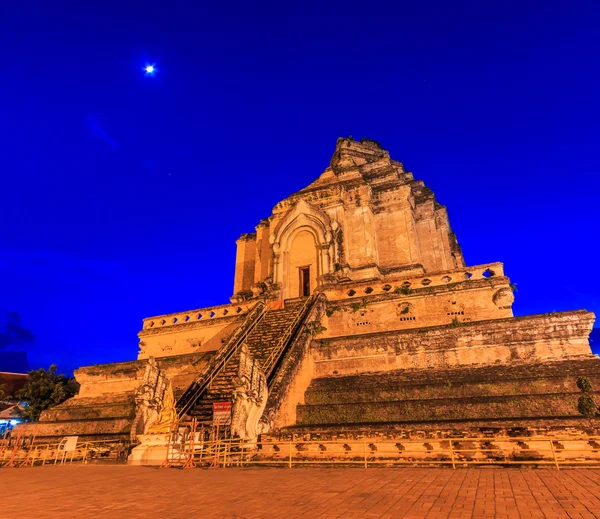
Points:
x=250 y=399
x=155 y=404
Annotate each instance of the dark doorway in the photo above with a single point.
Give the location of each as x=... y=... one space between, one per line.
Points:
x=304 y=281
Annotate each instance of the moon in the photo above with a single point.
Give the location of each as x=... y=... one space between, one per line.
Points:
x=150 y=69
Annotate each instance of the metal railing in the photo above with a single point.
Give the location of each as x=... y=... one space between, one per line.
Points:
x=272 y=359
x=23 y=452
x=219 y=361
x=195 y=451
x=451 y=452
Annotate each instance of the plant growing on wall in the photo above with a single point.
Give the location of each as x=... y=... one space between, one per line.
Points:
x=405 y=291
x=586 y=405
x=455 y=322
x=315 y=328
x=245 y=294
x=357 y=306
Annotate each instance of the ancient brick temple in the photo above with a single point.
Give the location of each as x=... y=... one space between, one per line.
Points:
x=353 y=314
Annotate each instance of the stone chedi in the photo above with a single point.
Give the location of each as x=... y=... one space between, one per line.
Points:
x=353 y=314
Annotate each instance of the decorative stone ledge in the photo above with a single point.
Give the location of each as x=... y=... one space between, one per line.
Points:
x=210 y=313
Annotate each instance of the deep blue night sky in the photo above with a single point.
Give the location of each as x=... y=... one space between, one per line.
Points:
x=122 y=195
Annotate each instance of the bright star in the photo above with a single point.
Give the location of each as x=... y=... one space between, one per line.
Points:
x=150 y=70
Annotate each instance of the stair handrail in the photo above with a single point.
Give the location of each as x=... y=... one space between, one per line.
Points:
x=218 y=362
x=272 y=359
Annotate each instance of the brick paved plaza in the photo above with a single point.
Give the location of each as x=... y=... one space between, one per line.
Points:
x=140 y=492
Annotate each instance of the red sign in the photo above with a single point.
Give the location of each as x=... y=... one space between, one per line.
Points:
x=221 y=413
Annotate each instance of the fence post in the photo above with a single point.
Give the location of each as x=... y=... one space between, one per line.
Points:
x=554 y=454
x=452 y=454
x=290 y=460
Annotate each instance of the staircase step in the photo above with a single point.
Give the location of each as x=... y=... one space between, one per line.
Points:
x=262 y=342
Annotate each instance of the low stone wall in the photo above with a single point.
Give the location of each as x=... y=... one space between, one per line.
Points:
x=532 y=338
x=381 y=307
x=370 y=450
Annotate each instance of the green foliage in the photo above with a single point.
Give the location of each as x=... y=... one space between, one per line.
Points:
x=329 y=312
x=364 y=139
x=44 y=390
x=337 y=267
x=357 y=306
x=405 y=310
x=245 y=294
x=586 y=406
x=3 y=395
x=406 y=291
x=513 y=287
x=455 y=322
x=315 y=328
x=584 y=384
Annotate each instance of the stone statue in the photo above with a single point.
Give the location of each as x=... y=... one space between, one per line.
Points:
x=150 y=398
x=250 y=399
x=167 y=417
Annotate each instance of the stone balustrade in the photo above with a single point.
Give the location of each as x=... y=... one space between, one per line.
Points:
x=474 y=273
x=200 y=314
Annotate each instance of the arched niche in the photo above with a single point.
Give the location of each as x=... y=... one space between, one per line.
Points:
x=302 y=240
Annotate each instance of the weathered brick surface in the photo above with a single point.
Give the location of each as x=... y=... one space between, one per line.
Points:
x=516 y=339
x=505 y=391
x=388 y=219
x=320 y=493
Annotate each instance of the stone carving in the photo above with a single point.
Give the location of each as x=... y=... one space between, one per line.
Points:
x=403 y=309
x=167 y=417
x=360 y=317
x=150 y=398
x=250 y=399
x=503 y=297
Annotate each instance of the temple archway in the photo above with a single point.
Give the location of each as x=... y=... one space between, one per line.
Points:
x=302 y=251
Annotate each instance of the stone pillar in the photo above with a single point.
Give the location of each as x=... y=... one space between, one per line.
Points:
x=244 y=262
x=263 y=252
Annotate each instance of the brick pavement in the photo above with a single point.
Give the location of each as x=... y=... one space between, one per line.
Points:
x=320 y=493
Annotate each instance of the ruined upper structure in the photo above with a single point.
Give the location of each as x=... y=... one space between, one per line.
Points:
x=364 y=229
x=365 y=217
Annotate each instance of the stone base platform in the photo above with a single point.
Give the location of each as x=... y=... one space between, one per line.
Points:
x=501 y=396
x=105 y=407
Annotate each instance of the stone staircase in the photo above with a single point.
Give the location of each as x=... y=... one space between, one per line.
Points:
x=263 y=343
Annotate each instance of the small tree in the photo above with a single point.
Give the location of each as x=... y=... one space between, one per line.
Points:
x=44 y=389
x=586 y=405
x=3 y=395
